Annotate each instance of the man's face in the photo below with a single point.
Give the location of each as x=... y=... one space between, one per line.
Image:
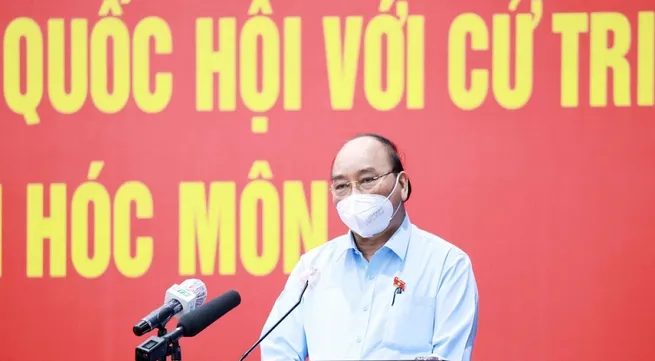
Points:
x=362 y=160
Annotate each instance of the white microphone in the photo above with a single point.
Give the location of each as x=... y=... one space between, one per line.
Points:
x=179 y=300
x=190 y=294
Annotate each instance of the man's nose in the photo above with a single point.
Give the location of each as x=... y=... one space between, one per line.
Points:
x=354 y=189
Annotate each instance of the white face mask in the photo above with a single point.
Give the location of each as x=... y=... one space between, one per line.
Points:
x=367 y=214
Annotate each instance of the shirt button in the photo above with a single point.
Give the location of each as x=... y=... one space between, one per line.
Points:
x=370 y=277
x=365 y=308
x=358 y=340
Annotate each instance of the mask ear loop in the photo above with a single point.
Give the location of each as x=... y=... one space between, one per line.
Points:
x=399 y=204
x=387 y=198
x=396 y=211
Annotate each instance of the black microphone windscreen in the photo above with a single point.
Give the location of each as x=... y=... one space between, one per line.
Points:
x=194 y=322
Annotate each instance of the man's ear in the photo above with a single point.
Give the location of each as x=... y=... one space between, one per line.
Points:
x=403 y=182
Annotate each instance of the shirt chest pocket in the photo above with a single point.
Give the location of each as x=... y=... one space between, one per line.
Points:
x=410 y=323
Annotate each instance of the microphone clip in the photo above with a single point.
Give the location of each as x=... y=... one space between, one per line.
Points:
x=158 y=348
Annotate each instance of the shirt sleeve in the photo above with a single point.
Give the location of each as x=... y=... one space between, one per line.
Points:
x=287 y=342
x=456 y=319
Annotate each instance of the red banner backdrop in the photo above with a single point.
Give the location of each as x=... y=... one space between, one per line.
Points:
x=147 y=142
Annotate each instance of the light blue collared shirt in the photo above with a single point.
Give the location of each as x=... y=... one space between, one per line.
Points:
x=347 y=313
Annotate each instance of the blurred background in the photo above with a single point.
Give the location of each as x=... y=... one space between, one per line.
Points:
x=142 y=148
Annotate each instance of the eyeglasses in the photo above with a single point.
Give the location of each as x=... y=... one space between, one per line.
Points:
x=365 y=185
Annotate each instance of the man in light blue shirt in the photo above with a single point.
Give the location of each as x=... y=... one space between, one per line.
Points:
x=386 y=290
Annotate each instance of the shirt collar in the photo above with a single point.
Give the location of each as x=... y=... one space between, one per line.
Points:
x=398 y=242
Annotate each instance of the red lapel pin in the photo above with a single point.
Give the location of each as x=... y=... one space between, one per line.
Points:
x=398 y=283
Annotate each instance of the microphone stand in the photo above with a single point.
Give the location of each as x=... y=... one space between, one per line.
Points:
x=275 y=325
x=161 y=331
x=174 y=349
x=158 y=348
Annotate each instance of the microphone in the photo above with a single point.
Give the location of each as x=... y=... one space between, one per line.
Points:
x=179 y=299
x=195 y=322
x=156 y=348
x=310 y=278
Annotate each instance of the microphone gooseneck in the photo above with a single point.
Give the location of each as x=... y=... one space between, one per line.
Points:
x=276 y=324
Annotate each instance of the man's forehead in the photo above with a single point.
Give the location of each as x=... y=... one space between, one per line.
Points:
x=360 y=154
